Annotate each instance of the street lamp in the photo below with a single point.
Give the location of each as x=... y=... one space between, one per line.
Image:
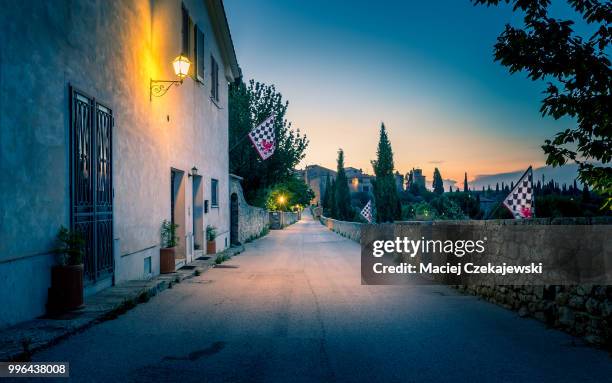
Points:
x=181 y=66
x=281 y=200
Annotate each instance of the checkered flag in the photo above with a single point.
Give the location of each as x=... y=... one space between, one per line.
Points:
x=366 y=212
x=263 y=138
x=521 y=201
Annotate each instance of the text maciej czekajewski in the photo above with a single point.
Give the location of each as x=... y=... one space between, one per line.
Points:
x=458 y=248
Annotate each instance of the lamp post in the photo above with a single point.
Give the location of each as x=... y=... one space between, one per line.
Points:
x=158 y=88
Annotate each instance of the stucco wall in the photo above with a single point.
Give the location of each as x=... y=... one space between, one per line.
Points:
x=109 y=50
x=252 y=221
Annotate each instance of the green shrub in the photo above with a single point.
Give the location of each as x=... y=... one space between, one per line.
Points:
x=168 y=234
x=71 y=247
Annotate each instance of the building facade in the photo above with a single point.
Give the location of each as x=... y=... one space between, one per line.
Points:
x=417 y=178
x=87 y=142
x=316 y=177
x=359 y=182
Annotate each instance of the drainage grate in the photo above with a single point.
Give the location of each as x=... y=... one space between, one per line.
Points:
x=203 y=258
x=187 y=268
x=226 y=267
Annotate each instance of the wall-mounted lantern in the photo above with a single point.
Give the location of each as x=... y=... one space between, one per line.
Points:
x=158 y=88
x=194 y=172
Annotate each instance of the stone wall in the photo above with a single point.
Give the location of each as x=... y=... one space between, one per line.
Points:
x=581 y=310
x=253 y=222
x=282 y=219
x=350 y=230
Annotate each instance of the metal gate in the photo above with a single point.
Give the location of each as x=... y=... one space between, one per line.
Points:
x=91 y=186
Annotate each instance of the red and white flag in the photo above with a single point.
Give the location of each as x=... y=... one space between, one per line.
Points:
x=521 y=201
x=263 y=138
x=366 y=212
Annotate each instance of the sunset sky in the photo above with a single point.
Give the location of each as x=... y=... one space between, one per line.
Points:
x=424 y=68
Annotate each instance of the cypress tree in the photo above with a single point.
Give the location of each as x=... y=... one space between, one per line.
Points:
x=342 y=193
x=465 y=184
x=326 y=194
x=438 y=184
x=331 y=200
x=385 y=191
x=586 y=195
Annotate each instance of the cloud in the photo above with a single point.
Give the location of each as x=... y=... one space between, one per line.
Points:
x=449 y=182
x=436 y=162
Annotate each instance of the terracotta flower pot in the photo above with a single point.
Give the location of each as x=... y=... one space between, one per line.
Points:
x=211 y=247
x=167 y=258
x=66 y=292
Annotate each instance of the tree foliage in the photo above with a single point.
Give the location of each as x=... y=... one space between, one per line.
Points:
x=385 y=190
x=288 y=195
x=325 y=200
x=438 y=184
x=342 y=195
x=249 y=105
x=294 y=191
x=579 y=81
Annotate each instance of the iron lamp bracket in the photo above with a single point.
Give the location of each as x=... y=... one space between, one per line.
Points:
x=158 y=88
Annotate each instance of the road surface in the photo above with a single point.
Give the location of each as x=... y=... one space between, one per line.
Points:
x=292 y=309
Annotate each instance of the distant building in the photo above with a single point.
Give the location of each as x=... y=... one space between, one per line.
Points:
x=399 y=181
x=316 y=177
x=358 y=181
x=417 y=178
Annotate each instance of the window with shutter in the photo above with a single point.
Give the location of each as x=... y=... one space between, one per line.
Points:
x=199 y=53
x=214 y=192
x=214 y=77
x=188 y=40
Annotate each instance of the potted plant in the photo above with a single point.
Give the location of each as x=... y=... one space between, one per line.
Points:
x=211 y=235
x=66 y=291
x=167 y=252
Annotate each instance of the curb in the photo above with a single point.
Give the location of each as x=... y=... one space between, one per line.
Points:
x=19 y=342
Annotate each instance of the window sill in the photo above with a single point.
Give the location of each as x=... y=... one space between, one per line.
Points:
x=215 y=102
x=214 y=206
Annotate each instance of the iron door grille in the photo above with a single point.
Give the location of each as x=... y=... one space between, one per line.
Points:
x=91 y=182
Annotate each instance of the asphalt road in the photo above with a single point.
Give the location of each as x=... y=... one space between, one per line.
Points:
x=292 y=309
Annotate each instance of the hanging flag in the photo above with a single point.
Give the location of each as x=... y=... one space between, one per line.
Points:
x=263 y=138
x=366 y=212
x=521 y=201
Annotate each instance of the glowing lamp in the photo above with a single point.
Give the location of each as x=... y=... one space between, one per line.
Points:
x=181 y=66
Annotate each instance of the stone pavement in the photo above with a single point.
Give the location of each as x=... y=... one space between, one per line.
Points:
x=20 y=341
